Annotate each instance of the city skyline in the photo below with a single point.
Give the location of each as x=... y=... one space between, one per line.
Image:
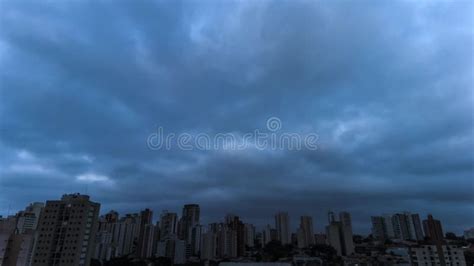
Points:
x=319 y=223
x=384 y=90
x=70 y=231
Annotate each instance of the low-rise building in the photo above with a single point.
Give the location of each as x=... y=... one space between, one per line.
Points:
x=437 y=255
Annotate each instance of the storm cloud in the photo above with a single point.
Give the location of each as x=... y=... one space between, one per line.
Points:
x=387 y=86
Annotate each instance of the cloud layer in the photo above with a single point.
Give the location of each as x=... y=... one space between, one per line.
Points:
x=387 y=86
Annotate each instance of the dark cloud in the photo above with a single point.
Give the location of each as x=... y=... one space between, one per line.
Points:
x=387 y=86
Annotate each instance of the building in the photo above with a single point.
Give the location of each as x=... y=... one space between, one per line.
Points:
x=249 y=235
x=189 y=219
x=339 y=234
x=7 y=229
x=117 y=237
x=433 y=229
x=282 y=225
x=403 y=226
x=66 y=231
x=234 y=224
x=19 y=250
x=417 y=227
x=407 y=226
x=209 y=245
x=347 y=235
x=379 y=227
x=17 y=236
x=269 y=234
x=468 y=234
x=145 y=236
x=437 y=255
x=195 y=241
x=334 y=237
x=168 y=225
x=305 y=232
x=111 y=217
x=166 y=248
x=179 y=252
x=227 y=243
x=28 y=219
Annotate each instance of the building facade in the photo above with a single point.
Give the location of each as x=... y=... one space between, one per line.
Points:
x=282 y=225
x=66 y=231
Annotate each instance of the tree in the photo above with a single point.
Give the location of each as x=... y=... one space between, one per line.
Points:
x=325 y=252
x=275 y=251
x=121 y=261
x=162 y=261
x=95 y=262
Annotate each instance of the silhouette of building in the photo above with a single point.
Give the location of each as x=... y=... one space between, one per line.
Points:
x=269 y=234
x=234 y=224
x=347 y=235
x=379 y=227
x=433 y=229
x=437 y=255
x=145 y=237
x=16 y=241
x=66 y=231
x=17 y=235
x=339 y=233
x=189 y=228
x=28 y=219
x=111 y=217
x=117 y=237
x=282 y=225
x=407 y=226
x=249 y=235
x=209 y=245
x=189 y=219
x=227 y=245
x=168 y=225
x=403 y=226
x=305 y=232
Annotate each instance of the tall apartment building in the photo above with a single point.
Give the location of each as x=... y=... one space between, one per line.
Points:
x=305 y=232
x=379 y=227
x=190 y=218
x=433 y=229
x=195 y=240
x=405 y=226
x=227 y=243
x=28 y=219
x=249 y=235
x=282 y=225
x=234 y=224
x=209 y=245
x=347 y=236
x=334 y=237
x=339 y=233
x=17 y=236
x=269 y=234
x=66 y=231
x=145 y=236
x=7 y=229
x=189 y=228
x=168 y=225
x=117 y=237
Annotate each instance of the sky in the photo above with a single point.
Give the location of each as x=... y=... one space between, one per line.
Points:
x=387 y=86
